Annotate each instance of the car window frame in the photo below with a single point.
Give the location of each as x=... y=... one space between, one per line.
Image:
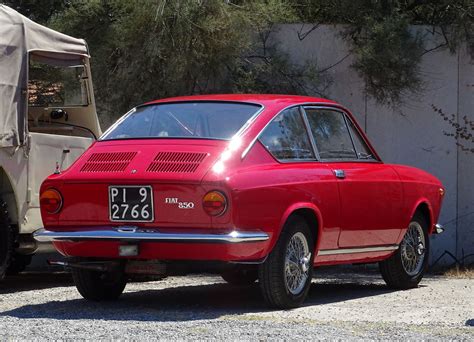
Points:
x=308 y=133
x=301 y=107
x=239 y=132
x=311 y=132
x=364 y=141
x=83 y=63
x=347 y=118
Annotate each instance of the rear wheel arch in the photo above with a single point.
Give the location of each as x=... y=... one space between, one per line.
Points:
x=311 y=219
x=310 y=213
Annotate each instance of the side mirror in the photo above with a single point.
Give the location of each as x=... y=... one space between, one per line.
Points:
x=57 y=114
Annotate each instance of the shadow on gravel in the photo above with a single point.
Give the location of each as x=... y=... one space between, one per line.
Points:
x=187 y=303
x=34 y=281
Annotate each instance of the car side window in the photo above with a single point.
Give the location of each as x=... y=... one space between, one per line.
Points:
x=363 y=151
x=331 y=134
x=286 y=137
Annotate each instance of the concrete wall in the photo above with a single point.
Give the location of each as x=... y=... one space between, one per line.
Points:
x=413 y=133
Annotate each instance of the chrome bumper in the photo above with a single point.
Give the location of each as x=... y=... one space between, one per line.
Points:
x=149 y=235
x=438 y=229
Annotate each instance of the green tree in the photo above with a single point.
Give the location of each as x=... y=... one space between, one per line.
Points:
x=144 y=50
x=39 y=11
x=147 y=49
x=387 y=51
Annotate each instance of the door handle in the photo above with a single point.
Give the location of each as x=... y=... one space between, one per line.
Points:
x=340 y=174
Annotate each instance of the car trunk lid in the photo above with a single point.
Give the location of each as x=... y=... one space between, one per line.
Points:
x=159 y=160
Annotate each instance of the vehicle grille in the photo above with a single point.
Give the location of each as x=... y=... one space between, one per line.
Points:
x=178 y=162
x=108 y=162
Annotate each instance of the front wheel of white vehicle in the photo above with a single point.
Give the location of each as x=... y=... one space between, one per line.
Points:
x=406 y=267
x=6 y=239
x=285 y=277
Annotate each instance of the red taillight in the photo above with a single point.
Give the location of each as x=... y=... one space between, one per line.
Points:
x=214 y=203
x=51 y=201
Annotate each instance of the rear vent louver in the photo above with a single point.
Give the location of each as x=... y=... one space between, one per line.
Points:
x=178 y=162
x=108 y=162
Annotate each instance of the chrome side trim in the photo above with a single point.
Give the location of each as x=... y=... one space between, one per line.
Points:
x=386 y=248
x=439 y=228
x=149 y=235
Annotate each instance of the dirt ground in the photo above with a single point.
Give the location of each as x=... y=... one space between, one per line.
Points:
x=343 y=304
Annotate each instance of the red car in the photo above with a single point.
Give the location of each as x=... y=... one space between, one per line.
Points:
x=255 y=187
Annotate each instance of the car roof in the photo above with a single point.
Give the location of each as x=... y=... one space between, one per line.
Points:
x=264 y=99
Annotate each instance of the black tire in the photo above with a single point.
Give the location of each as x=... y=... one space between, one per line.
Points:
x=7 y=239
x=392 y=269
x=18 y=263
x=271 y=273
x=99 y=286
x=241 y=275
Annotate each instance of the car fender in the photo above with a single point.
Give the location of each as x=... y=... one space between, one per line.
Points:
x=413 y=209
x=289 y=211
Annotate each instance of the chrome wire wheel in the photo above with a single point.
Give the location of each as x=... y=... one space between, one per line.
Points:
x=413 y=249
x=297 y=263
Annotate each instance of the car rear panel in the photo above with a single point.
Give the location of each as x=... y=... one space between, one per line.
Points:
x=173 y=168
x=88 y=203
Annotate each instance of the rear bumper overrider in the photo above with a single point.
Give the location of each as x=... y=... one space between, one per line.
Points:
x=438 y=228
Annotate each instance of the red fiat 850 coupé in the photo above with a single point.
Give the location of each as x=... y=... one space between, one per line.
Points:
x=255 y=187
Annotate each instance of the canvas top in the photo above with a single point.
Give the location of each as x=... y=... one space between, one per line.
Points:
x=21 y=39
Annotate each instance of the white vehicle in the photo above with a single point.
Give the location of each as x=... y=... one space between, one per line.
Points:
x=47 y=119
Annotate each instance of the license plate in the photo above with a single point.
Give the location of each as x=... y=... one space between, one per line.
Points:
x=131 y=203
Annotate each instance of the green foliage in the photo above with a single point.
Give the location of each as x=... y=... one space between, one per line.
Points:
x=144 y=50
x=147 y=49
x=39 y=11
x=274 y=74
x=388 y=56
x=387 y=52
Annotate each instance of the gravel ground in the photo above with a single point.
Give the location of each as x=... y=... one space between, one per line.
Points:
x=341 y=305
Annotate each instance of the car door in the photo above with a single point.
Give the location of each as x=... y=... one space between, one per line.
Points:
x=370 y=191
x=48 y=152
x=300 y=175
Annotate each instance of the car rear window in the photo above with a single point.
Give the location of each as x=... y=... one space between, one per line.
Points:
x=208 y=120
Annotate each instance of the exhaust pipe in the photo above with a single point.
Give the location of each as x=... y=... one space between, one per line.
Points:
x=99 y=266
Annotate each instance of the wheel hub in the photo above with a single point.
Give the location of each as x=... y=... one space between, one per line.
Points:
x=413 y=249
x=297 y=263
x=304 y=263
x=420 y=250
